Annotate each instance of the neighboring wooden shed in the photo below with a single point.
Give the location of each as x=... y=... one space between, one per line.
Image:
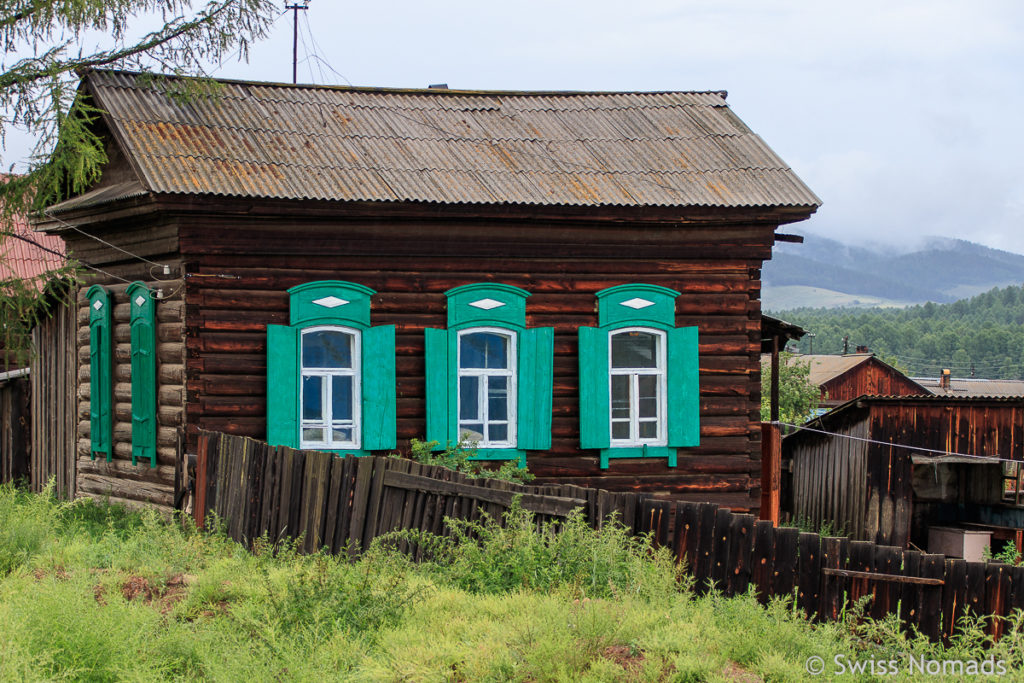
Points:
x=556 y=227
x=844 y=378
x=884 y=469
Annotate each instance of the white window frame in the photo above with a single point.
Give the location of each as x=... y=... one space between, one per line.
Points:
x=512 y=373
x=661 y=371
x=327 y=423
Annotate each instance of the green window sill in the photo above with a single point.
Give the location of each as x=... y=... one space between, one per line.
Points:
x=639 y=452
x=501 y=454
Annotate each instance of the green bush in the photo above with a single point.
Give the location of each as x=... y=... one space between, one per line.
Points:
x=490 y=555
x=458 y=457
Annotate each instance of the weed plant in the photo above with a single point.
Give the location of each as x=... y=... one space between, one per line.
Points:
x=458 y=457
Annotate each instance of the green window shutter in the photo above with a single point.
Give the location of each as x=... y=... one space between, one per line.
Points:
x=535 y=381
x=378 y=385
x=143 y=362
x=282 y=386
x=440 y=420
x=683 y=388
x=594 y=418
x=100 y=373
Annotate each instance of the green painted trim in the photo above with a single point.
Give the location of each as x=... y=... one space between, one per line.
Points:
x=283 y=374
x=512 y=312
x=101 y=382
x=377 y=379
x=536 y=350
x=501 y=454
x=144 y=378
x=639 y=452
x=683 y=388
x=436 y=372
x=662 y=310
x=595 y=426
x=355 y=312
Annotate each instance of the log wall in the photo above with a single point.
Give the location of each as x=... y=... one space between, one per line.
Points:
x=238 y=271
x=120 y=481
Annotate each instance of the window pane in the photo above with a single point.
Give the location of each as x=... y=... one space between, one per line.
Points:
x=648 y=430
x=326 y=349
x=620 y=396
x=483 y=350
x=312 y=403
x=469 y=391
x=341 y=397
x=620 y=430
x=312 y=434
x=635 y=350
x=471 y=432
x=497 y=398
x=648 y=398
x=341 y=435
x=497 y=432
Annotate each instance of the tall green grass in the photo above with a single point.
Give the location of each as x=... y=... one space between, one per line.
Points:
x=94 y=593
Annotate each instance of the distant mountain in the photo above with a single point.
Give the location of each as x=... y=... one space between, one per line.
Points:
x=826 y=273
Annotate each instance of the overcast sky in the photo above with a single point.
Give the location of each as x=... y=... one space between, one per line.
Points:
x=904 y=116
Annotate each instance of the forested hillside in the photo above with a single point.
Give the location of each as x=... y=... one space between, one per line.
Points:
x=983 y=335
x=941 y=270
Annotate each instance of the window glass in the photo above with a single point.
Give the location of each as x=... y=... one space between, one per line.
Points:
x=635 y=350
x=330 y=380
x=483 y=350
x=637 y=371
x=486 y=387
x=312 y=398
x=326 y=349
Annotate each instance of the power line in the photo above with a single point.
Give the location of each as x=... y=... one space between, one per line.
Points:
x=166 y=268
x=64 y=256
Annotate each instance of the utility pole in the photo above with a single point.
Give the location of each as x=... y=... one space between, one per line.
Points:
x=295 y=37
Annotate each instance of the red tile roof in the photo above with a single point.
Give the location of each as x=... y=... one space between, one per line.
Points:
x=23 y=252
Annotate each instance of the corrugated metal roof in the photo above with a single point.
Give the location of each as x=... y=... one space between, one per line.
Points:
x=973 y=387
x=23 y=253
x=825 y=367
x=356 y=144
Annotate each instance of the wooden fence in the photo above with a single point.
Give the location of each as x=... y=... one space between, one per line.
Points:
x=336 y=503
x=14 y=428
x=54 y=402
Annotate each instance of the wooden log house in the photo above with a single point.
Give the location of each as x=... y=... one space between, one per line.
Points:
x=571 y=278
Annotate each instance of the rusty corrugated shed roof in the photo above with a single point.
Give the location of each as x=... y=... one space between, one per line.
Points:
x=477 y=147
x=23 y=253
x=974 y=387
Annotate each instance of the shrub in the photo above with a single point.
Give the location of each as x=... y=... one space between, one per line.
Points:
x=487 y=556
x=457 y=457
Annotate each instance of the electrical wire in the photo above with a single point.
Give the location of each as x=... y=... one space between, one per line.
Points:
x=167 y=268
x=918 y=449
x=64 y=256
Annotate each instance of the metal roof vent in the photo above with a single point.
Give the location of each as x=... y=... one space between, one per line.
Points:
x=438 y=86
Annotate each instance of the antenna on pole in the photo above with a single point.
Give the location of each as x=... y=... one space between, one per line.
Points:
x=295 y=37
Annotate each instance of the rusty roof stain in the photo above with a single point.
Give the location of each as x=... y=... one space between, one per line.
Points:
x=584 y=149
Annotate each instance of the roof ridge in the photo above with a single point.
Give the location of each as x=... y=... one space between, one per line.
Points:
x=409 y=91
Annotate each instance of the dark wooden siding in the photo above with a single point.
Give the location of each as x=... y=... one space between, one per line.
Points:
x=868 y=379
x=238 y=272
x=54 y=392
x=973 y=426
x=119 y=480
x=14 y=429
